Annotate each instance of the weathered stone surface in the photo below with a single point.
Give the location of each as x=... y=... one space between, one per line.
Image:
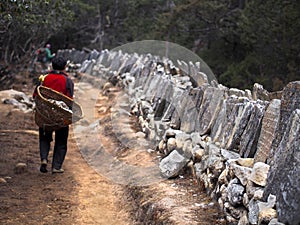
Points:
x=284 y=176
x=246 y=162
x=258 y=194
x=246 y=200
x=244 y=220
x=178 y=115
x=152 y=86
x=128 y=63
x=173 y=111
x=265 y=215
x=19 y=99
x=198 y=153
x=200 y=167
x=187 y=149
x=260 y=93
x=235 y=192
x=251 y=188
x=189 y=121
x=231 y=122
x=275 y=222
x=222 y=179
x=259 y=173
x=181 y=138
x=269 y=123
x=196 y=138
x=171 y=165
x=289 y=102
x=162 y=99
x=235 y=212
x=183 y=66
x=198 y=77
x=211 y=104
x=241 y=172
x=94 y=54
x=228 y=155
x=251 y=133
x=20 y=168
x=171 y=144
x=253 y=212
x=236 y=92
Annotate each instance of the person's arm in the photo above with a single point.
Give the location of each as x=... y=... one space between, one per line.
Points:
x=70 y=87
x=49 y=55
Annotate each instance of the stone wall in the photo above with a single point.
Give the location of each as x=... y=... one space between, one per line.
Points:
x=242 y=146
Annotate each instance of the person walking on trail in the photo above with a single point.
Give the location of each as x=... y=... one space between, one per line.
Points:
x=44 y=57
x=49 y=56
x=58 y=80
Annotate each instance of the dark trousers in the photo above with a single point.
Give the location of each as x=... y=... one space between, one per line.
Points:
x=60 y=145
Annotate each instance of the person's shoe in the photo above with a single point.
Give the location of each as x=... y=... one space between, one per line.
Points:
x=57 y=170
x=43 y=168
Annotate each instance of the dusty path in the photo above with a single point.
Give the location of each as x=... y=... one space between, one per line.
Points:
x=79 y=196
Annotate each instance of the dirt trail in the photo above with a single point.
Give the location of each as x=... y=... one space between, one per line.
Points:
x=81 y=195
x=78 y=196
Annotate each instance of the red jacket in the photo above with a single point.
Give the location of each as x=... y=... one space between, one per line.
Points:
x=59 y=81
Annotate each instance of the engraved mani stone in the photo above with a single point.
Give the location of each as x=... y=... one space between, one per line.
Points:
x=269 y=123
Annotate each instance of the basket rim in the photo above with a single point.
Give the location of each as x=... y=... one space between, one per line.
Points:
x=66 y=99
x=50 y=89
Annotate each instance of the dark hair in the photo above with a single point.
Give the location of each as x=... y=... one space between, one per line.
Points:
x=59 y=63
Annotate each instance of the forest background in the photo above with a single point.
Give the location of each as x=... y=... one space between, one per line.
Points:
x=242 y=41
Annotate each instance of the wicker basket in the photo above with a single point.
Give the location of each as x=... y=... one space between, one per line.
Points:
x=50 y=116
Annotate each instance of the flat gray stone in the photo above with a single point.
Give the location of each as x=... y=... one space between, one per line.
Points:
x=171 y=165
x=269 y=124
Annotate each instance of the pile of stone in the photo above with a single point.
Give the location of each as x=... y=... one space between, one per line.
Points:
x=18 y=99
x=236 y=183
x=243 y=146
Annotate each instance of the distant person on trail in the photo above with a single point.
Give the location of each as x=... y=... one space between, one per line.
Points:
x=45 y=56
x=48 y=53
x=58 y=80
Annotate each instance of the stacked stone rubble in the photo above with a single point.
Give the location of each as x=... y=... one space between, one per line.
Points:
x=237 y=143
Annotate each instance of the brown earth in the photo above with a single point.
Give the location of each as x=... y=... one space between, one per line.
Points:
x=80 y=195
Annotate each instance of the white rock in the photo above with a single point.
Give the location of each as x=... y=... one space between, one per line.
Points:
x=275 y=222
x=223 y=177
x=172 y=164
x=258 y=194
x=251 y=188
x=20 y=168
x=241 y=172
x=253 y=212
x=246 y=162
x=259 y=173
x=266 y=215
x=140 y=134
x=244 y=219
x=245 y=200
x=221 y=203
x=2 y=180
x=196 y=138
x=198 y=153
x=161 y=146
x=171 y=144
x=229 y=154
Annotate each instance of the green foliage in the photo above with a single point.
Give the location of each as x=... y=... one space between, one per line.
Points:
x=19 y=20
x=243 y=41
